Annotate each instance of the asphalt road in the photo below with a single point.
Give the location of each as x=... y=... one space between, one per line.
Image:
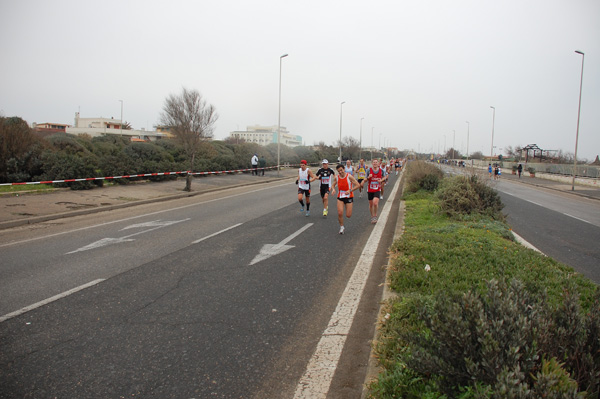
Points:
x=181 y=304
x=563 y=226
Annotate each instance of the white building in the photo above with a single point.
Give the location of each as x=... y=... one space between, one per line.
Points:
x=265 y=135
x=96 y=127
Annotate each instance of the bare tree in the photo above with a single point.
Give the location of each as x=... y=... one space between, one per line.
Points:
x=191 y=120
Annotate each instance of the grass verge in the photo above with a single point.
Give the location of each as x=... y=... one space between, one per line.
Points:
x=440 y=259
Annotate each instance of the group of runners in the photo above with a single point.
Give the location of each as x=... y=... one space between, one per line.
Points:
x=347 y=180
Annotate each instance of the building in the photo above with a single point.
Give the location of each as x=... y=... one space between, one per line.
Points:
x=47 y=128
x=265 y=135
x=97 y=127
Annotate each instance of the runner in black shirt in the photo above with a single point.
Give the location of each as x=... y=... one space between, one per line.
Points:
x=326 y=175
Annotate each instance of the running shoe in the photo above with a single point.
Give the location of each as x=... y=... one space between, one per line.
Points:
x=341 y=229
x=324 y=212
x=307 y=213
x=381 y=198
x=302 y=210
x=372 y=220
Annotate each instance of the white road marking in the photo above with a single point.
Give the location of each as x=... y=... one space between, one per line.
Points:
x=108 y=241
x=319 y=373
x=575 y=217
x=269 y=250
x=47 y=301
x=217 y=233
x=137 y=217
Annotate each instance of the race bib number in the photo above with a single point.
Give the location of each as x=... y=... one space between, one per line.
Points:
x=344 y=194
x=362 y=175
x=374 y=185
x=303 y=184
x=325 y=180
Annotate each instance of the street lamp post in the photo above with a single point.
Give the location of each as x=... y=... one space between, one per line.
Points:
x=453 y=143
x=121 y=131
x=341 y=106
x=279 y=117
x=578 y=114
x=468 y=127
x=372 y=128
x=493 y=123
x=360 y=141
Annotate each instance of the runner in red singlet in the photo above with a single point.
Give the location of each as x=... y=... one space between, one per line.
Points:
x=346 y=184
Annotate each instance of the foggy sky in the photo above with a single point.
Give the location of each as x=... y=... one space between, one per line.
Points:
x=416 y=71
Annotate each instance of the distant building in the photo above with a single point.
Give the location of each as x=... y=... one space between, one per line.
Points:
x=97 y=127
x=47 y=128
x=265 y=135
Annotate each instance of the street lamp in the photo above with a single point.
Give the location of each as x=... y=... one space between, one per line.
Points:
x=493 y=123
x=279 y=117
x=468 y=126
x=360 y=144
x=341 y=105
x=121 y=131
x=372 y=143
x=453 y=145
x=578 y=114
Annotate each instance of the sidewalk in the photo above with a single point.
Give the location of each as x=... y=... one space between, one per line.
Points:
x=581 y=190
x=22 y=208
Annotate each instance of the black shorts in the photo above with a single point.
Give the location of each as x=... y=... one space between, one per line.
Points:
x=305 y=192
x=360 y=181
x=374 y=194
x=324 y=190
x=346 y=200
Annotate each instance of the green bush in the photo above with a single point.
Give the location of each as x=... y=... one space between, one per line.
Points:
x=423 y=176
x=494 y=339
x=462 y=195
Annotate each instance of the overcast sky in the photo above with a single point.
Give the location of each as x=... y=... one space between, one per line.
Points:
x=416 y=71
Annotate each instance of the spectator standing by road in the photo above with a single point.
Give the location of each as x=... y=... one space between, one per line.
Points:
x=305 y=176
x=262 y=162
x=520 y=170
x=326 y=175
x=346 y=184
x=254 y=162
x=374 y=178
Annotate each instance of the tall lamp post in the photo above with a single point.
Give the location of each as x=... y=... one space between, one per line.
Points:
x=493 y=123
x=341 y=106
x=372 y=128
x=468 y=127
x=453 y=141
x=279 y=117
x=578 y=114
x=121 y=131
x=360 y=141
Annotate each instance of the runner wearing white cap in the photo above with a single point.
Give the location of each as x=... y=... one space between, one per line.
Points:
x=305 y=176
x=326 y=175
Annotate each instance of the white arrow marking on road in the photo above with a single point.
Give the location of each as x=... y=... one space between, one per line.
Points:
x=269 y=250
x=156 y=224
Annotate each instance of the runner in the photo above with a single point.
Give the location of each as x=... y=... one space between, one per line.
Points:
x=384 y=168
x=346 y=184
x=374 y=178
x=349 y=168
x=361 y=174
x=397 y=165
x=326 y=175
x=305 y=176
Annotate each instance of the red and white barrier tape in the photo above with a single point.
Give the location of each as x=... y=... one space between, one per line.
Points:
x=138 y=175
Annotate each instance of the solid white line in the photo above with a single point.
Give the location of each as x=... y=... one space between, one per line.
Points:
x=216 y=234
x=535 y=203
x=319 y=373
x=575 y=217
x=47 y=301
x=296 y=234
x=137 y=217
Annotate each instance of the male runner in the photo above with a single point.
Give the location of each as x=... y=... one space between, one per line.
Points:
x=305 y=176
x=374 y=178
x=361 y=174
x=326 y=175
x=346 y=184
x=384 y=168
x=349 y=168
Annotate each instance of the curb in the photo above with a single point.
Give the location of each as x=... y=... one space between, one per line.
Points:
x=373 y=368
x=39 y=219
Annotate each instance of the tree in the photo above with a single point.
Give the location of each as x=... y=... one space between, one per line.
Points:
x=477 y=155
x=191 y=121
x=453 y=154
